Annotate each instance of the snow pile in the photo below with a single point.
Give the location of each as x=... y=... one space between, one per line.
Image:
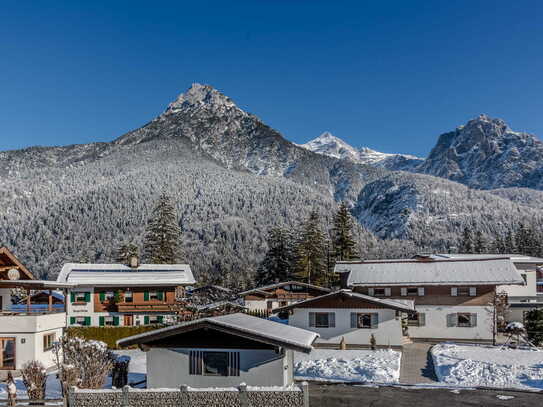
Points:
x=471 y=365
x=514 y=326
x=381 y=366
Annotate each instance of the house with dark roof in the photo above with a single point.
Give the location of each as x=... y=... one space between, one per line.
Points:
x=124 y=295
x=266 y=298
x=222 y=351
x=352 y=318
x=452 y=296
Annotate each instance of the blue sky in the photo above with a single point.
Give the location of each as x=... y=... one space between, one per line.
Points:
x=391 y=75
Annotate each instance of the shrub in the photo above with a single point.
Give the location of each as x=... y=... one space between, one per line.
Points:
x=34 y=378
x=534 y=326
x=108 y=334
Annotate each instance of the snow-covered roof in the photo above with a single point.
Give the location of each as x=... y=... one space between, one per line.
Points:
x=258 y=329
x=265 y=288
x=430 y=271
x=218 y=304
x=121 y=274
x=515 y=258
x=400 y=305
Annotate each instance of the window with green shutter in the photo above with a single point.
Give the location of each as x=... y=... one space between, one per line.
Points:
x=146 y=319
x=87 y=321
x=102 y=296
x=87 y=297
x=72 y=319
x=146 y=296
x=101 y=321
x=160 y=319
x=72 y=297
x=115 y=321
x=160 y=295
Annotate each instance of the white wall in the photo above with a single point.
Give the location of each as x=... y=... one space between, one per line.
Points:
x=528 y=290
x=436 y=323
x=170 y=368
x=388 y=332
x=5 y=295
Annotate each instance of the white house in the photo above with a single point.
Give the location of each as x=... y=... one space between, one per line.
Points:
x=352 y=317
x=222 y=351
x=121 y=295
x=272 y=296
x=26 y=333
x=452 y=296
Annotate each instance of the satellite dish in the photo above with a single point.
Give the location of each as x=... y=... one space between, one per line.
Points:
x=14 y=274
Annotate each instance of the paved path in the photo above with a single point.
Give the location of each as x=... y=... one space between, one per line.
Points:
x=358 y=396
x=417 y=366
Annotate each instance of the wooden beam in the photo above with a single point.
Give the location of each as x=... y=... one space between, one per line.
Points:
x=50 y=305
x=28 y=300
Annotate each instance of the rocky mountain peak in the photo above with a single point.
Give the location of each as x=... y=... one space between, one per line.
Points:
x=198 y=96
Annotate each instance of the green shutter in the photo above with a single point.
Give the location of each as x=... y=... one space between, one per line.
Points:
x=101 y=319
x=116 y=321
x=160 y=319
x=146 y=320
x=87 y=321
x=102 y=297
x=87 y=297
x=146 y=296
x=72 y=297
x=160 y=295
x=72 y=320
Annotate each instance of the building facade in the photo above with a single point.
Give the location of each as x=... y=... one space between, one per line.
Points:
x=120 y=295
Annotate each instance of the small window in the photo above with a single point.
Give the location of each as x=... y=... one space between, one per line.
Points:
x=80 y=297
x=80 y=320
x=464 y=320
x=48 y=341
x=379 y=292
x=269 y=305
x=154 y=319
x=463 y=291
x=153 y=295
x=283 y=303
x=364 y=321
x=110 y=295
x=128 y=296
x=215 y=363
x=412 y=291
x=322 y=320
x=109 y=321
x=295 y=288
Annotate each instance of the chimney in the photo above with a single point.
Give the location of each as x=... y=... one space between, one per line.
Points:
x=134 y=262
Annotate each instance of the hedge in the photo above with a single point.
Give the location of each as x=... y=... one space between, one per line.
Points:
x=109 y=334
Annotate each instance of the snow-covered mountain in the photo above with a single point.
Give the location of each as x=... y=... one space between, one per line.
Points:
x=232 y=177
x=486 y=154
x=329 y=145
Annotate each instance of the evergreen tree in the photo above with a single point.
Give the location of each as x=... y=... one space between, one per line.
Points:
x=125 y=252
x=277 y=263
x=344 y=246
x=509 y=243
x=534 y=326
x=311 y=252
x=162 y=243
x=466 y=243
x=522 y=239
x=479 y=245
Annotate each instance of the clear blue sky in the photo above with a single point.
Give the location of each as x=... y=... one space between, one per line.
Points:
x=391 y=75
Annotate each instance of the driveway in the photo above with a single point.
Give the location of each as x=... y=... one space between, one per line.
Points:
x=358 y=396
x=417 y=365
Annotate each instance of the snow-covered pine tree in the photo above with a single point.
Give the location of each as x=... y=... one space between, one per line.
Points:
x=125 y=252
x=278 y=262
x=311 y=253
x=344 y=246
x=466 y=242
x=479 y=243
x=162 y=242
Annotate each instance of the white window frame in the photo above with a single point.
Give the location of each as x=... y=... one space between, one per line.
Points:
x=153 y=295
x=80 y=320
x=80 y=296
x=154 y=319
x=128 y=294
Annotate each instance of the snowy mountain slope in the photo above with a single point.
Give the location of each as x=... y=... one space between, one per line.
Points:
x=232 y=176
x=329 y=145
x=486 y=154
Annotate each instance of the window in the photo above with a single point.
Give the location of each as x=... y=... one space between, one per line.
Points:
x=269 y=305
x=464 y=320
x=363 y=321
x=7 y=353
x=79 y=297
x=416 y=319
x=153 y=295
x=48 y=340
x=283 y=303
x=412 y=291
x=463 y=291
x=155 y=319
x=80 y=320
x=322 y=319
x=294 y=288
x=128 y=296
x=379 y=292
x=109 y=321
x=215 y=363
x=110 y=295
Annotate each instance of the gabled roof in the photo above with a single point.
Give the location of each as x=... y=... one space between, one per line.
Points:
x=264 y=289
x=107 y=275
x=399 y=305
x=12 y=260
x=257 y=329
x=515 y=258
x=431 y=271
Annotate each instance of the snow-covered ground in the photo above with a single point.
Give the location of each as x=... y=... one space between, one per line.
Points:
x=472 y=365
x=137 y=371
x=380 y=366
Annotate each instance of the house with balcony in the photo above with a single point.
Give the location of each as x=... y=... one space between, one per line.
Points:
x=124 y=295
x=27 y=331
x=452 y=297
x=266 y=298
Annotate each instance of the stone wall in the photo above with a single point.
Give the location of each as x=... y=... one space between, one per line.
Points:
x=242 y=396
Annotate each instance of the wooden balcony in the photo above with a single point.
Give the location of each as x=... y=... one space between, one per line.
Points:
x=143 y=307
